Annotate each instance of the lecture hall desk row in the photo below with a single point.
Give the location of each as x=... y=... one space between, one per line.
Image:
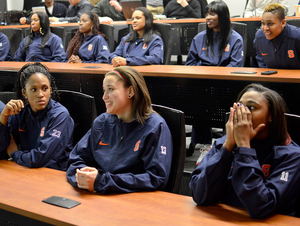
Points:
x=183 y=31
x=23 y=189
x=203 y=93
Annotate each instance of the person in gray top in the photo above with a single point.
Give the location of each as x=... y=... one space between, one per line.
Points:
x=109 y=10
x=75 y=10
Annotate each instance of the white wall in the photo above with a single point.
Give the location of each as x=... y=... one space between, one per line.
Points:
x=236 y=7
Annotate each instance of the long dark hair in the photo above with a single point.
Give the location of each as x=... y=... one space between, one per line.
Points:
x=277 y=108
x=221 y=9
x=76 y=41
x=45 y=31
x=24 y=74
x=148 y=29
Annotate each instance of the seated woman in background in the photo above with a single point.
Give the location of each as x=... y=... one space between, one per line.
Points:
x=183 y=9
x=36 y=131
x=218 y=45
x=89 y=44
x=129 y=148
x=256 y=164
x=277 y=42
x=142 y=45
x=40 y=45
x=5 y=54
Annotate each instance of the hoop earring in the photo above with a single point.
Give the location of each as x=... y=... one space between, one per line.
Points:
x=41 y=31
x=92 y=28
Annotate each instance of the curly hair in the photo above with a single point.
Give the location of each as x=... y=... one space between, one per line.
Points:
x=24 y=74
x=76 y=41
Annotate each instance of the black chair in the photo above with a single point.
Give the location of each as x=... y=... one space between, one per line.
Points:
x=240 y=28
x=108 y=30
x=7 y=96
x=15 y=36
x=82 y=109
x=176 y=123
x=165 y=30
x=293 y=124
x=295 y=22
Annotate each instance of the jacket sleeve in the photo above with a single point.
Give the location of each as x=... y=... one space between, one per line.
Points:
x=103 y=52
x=249 y=11
x=192 y=57
x=97 y=9
x=56 y=138
x=157 y=165
x=118 y=51
x=209 y=178
x=80 y=157
x=57 y=49
x=237 y=56
x=4 y=48
x=20 y=55
x=194 y=11
x=258 y=57
x=84 y=8
x=4 y=141
x=156 y=54
x=262 y=196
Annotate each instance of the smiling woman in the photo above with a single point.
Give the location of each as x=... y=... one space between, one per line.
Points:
x=129 y=148
x=142 y=45
x=36 y=131
x=277 y=43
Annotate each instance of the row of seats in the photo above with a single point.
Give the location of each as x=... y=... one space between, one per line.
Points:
x=82 y=109
x=16 y=35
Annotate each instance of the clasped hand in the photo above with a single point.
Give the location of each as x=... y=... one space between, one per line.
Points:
x=85 y=177
x=239 y=127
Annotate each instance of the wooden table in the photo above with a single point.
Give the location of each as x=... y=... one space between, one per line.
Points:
x=204 y=93
x=23 y=189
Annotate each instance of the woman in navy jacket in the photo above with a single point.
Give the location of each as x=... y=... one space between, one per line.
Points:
x=218 y=45
x=142 y=45
x=128 y=148
x=89 y=44
x=256 y=164
x=36 y=131
x=40 y=45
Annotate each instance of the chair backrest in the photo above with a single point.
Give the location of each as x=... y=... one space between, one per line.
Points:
x=295 y=22
x=15 y=36
x=165 y=30
x=293 y=124
x=7 y=96
x=176 y=123
x=59 y=31
x=203 y=4
x=108 y=30
x=82 y=109
x=240 y=28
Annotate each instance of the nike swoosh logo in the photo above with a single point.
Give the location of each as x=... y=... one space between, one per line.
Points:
x=21 y=130
x=264 y=54
x=103 y=143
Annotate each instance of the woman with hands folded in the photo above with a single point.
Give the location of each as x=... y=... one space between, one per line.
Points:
x=256 y=164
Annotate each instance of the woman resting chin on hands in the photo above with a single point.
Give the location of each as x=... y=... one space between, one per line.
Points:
x=256 y=164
